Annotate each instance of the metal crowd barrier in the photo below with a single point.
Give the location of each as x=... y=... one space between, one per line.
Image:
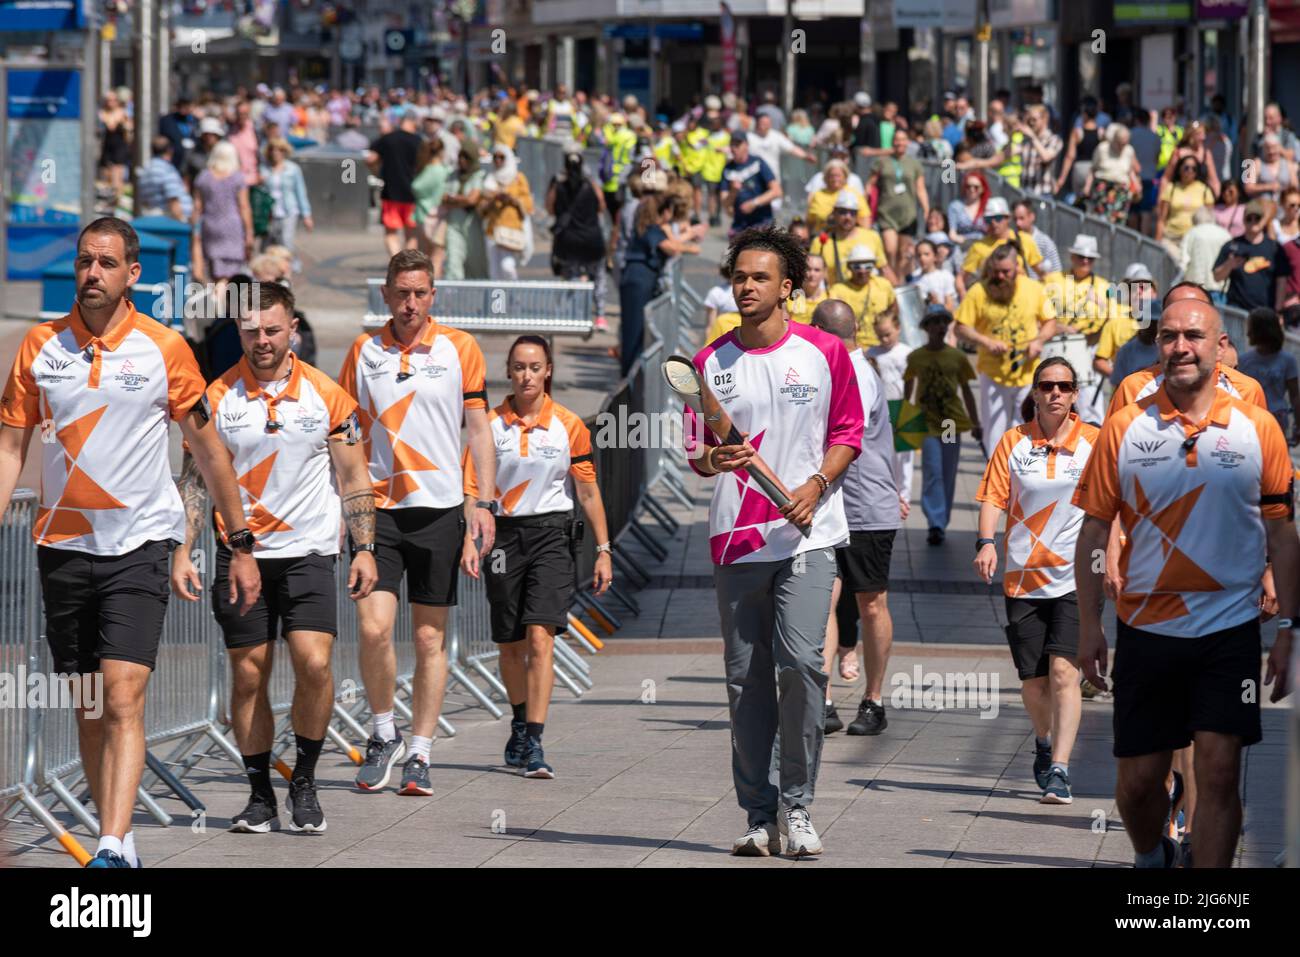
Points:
x=550 y=307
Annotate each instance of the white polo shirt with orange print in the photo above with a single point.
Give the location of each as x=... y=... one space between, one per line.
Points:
x=279 y=434
x=411 y=401
x=1144 y=382
x=102 y=406
x=538 y=464
x=1034 y=482
x=1191 y=498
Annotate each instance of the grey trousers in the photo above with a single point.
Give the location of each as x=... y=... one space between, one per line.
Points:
x=773 y=629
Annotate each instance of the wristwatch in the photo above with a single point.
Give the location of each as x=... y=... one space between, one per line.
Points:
x=981 y=542
x=368 y=547
x=490 y=506
x=241 y=541
x=1284 y=623
x=608 y=547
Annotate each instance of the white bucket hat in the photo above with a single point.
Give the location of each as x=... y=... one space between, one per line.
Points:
x=1085 y=246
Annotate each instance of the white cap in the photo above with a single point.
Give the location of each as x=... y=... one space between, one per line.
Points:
x=996 y=206
x=618 y=119
x=861 y=253
x=1085 y=246
x=439 y=113
x=210 y=124
x=862 y=99
x=847 y=199
x=679 y=126
x=1138 y=272
x=711 y=102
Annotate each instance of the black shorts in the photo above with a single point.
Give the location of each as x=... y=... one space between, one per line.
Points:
x=298 y=594
x=530 y=581
x=425 y=545
x=104 y=606
x=1038 y=628
x=864 y=563
x=1167 y=689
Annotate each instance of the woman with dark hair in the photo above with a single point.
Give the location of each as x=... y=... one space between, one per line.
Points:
x=428 y=186
x=544 y=462
x=1079 y=149
x=578 y=249
x=1032 y=475
x=646 y=254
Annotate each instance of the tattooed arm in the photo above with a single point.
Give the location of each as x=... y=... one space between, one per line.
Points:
x=187 y=583
x=358 y=513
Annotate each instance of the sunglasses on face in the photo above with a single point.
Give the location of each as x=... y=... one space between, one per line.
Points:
x=995 y=219
x=861 y=267
x=1047 y=388
x=1253 y=218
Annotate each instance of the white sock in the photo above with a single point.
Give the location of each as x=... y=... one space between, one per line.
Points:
x=879 y=701
x=384 y=729
x=829 y=702
x=128 y=849
x=421 y=746
x=109 y=843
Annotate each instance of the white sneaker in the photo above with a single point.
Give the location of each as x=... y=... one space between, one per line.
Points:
x=761 y=840
x=797 y=829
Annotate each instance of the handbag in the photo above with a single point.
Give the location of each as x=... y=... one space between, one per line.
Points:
x=262 y=204
x=507 y=237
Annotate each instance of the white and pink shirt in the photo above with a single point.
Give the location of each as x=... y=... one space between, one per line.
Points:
x=794 y=399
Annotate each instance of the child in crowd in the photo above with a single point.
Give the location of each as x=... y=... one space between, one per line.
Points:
x=1276 y=371
x=940 y=378
x=937 y=285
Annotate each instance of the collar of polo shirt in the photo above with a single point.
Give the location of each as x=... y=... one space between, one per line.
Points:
x=507 y=412
x=1071 y=440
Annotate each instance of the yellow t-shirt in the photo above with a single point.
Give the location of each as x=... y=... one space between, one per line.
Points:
x=868 y=301
x=1117 y=331
x=1084 y=305
x=800 y=306
x=509 y=130
x=722 y=323
x=837 y=270
x=1183 y=204
x=822 y=202
x=938 y=394
x=1017 y=323
x=979 y=251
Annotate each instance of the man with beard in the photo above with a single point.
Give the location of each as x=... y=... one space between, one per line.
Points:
x=1009 y=318
x=1202 y=484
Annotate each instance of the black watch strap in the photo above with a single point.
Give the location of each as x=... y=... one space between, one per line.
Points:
x=491 y=506
x=241 y=541
x=368 y=547
x=981 y=542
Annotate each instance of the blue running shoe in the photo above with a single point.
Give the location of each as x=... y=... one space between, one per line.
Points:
x=1042 y=764
x=535 y=765
x=517 y=746
x=1057 y=789
x=107 y=859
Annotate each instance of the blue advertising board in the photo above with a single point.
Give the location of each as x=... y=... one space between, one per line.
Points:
x=27 y=15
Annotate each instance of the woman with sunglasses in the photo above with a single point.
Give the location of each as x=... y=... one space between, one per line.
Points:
x=1179 y=201
x=1032 y=475
x=966 y=213
x=544 y=464
x=1193 y=144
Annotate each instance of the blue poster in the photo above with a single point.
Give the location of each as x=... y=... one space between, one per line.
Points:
x=23 y=15
x=42 y=157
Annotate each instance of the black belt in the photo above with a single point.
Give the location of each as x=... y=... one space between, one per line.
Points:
x=545 y=520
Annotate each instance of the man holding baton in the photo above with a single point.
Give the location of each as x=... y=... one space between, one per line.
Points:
x=790 y=390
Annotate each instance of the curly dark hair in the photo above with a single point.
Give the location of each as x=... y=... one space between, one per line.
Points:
x=794 y=259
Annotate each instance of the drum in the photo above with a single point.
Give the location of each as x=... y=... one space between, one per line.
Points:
x=1075 y=350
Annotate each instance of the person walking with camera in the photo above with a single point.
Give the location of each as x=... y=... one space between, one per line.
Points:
x=543 y=463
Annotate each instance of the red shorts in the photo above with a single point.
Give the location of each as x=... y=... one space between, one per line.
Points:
x=397 y=215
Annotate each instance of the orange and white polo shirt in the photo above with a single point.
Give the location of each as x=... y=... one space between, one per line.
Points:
x=536 y=465
x=1191 y=498
x=1144 y=382
x=1033 y=482
x=279 y=435
x=411 y=401
x=102 y=405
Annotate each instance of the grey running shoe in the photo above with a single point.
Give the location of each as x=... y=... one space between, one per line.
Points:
x=535 y=765
x=378 y=766
x=415 y=778
x=797 y=828
x=302 y=804
x=761 y=840
x=1057 y=788
x=517 y=746
x=258 y=817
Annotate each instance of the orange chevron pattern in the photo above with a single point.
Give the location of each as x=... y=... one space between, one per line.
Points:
x=1032 y=576
x=405 y=458
x=80 y=491
x=260 y=518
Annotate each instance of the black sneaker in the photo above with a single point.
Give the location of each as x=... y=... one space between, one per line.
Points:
x=302 y=804
x=259 y=817
x=517 y=746
x=415 y=778
x=832 y=719
x=378 y=767
x=535 y=765
x=1042 y=764
x=1057 y=788
x=935 y=537
x=870 y=720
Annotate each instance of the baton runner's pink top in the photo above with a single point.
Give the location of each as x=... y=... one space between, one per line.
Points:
x=794 y=399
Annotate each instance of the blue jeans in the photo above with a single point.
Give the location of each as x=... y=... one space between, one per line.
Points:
x=938 y=478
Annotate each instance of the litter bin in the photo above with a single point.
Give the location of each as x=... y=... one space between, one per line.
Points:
x=337 y=185
x=167 y=228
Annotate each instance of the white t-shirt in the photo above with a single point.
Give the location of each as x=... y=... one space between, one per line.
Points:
x=936 y=282
x=794 y=399
x=769 y=148
x=721 y=298
x=818 y=182
x=891 y=363
x=870 y=489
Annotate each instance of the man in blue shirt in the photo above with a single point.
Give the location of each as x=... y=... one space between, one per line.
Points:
x=160 y=186
x=750 y=188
